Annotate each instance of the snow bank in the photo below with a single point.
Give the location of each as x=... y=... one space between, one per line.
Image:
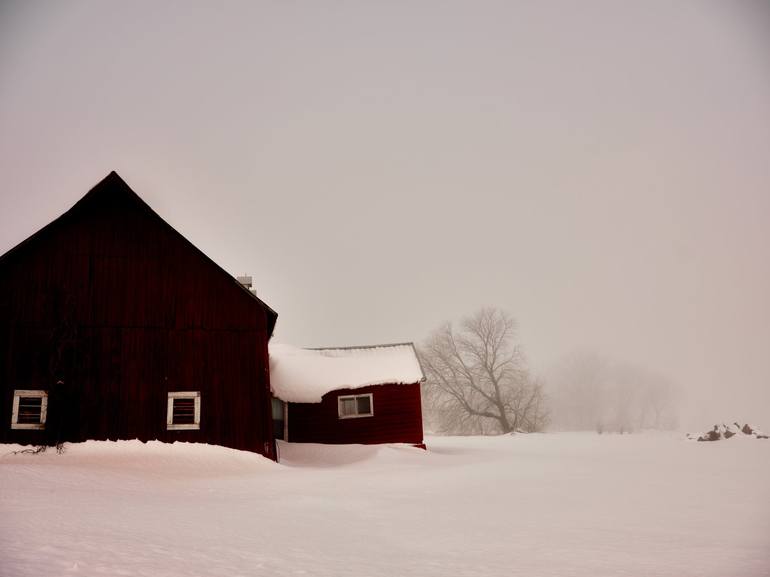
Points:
x=320 y=456
x=172 y=460
x=305 y=375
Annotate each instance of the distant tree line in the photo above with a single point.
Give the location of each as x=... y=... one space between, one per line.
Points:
x=588 y=392
x=478 y=383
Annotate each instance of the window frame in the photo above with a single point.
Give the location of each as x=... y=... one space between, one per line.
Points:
x=356 y=397
x=196 y=425
x=18 y=394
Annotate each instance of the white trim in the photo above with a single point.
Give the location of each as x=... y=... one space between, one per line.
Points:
x=170 y=411
x=356 y=416
x=17 y=395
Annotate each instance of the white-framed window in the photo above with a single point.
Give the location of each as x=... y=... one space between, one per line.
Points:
x=184 y=411
x=354 y=406
x=29 y=409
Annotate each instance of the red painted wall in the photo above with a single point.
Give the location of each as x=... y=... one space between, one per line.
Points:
x=397 y=418
x=121 y=308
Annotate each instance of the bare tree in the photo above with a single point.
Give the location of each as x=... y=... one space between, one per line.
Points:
x=587 y=391
x=477 y=381
x=663 y=398
x=577 y=390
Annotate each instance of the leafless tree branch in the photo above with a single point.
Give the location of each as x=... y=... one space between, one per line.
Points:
x=477 y=380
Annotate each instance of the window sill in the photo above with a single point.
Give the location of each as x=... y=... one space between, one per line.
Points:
x=28 y=426
x=183 y=427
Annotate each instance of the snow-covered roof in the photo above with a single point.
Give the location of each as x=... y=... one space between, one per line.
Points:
x=305 y=375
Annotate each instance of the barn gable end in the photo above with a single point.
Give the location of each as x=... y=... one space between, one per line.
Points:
x=109 y=309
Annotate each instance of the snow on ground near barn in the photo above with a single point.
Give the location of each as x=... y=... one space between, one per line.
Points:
x=537 y=505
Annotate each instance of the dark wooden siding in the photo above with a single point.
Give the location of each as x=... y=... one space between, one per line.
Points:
x=116 y=304
x=397 y=418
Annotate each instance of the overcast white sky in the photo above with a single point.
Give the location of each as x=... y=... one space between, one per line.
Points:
x=599 y=169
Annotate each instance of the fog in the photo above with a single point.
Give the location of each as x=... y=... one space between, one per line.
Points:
x=599 y=170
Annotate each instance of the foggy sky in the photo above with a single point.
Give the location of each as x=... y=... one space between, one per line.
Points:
x=599 y=169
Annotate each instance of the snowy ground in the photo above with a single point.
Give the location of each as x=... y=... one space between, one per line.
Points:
x=538 y=505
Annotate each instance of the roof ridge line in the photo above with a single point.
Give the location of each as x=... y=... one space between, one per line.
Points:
x=355 y=347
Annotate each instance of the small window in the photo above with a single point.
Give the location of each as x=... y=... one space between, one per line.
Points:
x=184 y=411
x=353 y=406
x=29 y=409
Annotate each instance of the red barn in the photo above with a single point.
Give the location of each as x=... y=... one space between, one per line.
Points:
x=114 y=326
x=361 y=395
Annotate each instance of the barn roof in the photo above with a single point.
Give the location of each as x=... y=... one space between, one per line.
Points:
x=107 y=190
x=305 y=375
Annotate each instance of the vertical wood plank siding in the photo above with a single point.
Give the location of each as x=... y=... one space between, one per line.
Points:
x=116 y=304
x=397 y=418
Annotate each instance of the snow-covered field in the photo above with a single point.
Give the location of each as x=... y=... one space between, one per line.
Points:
x=552 y=504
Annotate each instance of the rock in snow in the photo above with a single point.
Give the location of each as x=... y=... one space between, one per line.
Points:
x=720 y=432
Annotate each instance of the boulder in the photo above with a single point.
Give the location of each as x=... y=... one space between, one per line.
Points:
x=753 y=431
x=728 y=431
x=713 y=435
x=747 y=430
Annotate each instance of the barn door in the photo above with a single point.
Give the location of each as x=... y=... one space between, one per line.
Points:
x=280 y=429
